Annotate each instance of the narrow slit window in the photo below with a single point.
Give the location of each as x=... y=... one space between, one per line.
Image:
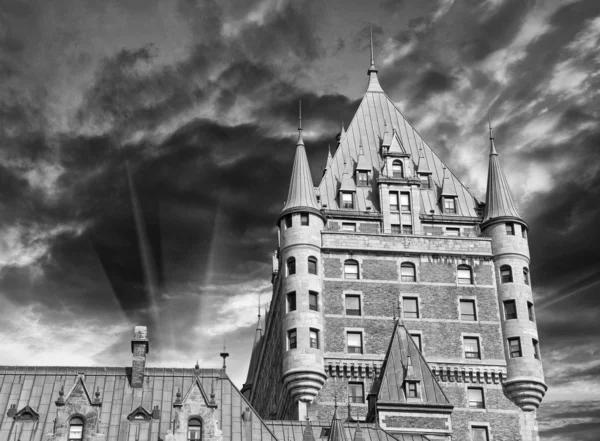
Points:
x=314 y=338
x=291 y=266
x=313 y=301
x=312 y=265
x=530 y=311
x=292 y=339
x=526 y=275
x=291 y=301
x=536 y=348
x=288 y=221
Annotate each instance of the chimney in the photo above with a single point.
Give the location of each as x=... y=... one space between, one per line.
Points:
x=139 y=348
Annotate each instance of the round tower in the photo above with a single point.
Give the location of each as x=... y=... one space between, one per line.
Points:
x=300 y=224
x=502 y=223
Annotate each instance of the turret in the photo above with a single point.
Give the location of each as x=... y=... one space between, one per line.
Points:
x=300 y=225
x=501 y=221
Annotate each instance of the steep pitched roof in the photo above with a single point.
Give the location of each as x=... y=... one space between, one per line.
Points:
x=404 y=361
x=336 y=432
x=498 y=200
x=255 y=353
x=375 y=116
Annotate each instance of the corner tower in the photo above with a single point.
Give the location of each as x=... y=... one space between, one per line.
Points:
x=502 y=223
x=300 y=287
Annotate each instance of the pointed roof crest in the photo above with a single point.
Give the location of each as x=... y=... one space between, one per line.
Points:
x=374 y=85
x=300 y=140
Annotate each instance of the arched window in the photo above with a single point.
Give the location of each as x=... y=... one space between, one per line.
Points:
x=312 y=265
x=526 y=275
x=465 y=275
x=397 y=170
x=350 y=269
x=194 y=429
x=291 y=266
x=408 y=272
x=76 y=429
x=506 y=274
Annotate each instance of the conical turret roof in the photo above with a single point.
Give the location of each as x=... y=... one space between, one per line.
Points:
x=498 y=200
x=337 y=429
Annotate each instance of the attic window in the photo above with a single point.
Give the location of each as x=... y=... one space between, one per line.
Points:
x=26 y=416
x=325 y=431
x=449 y=205
x=362 y=178
x=75 y=429
x=347 y=200
x=412 y=389
x=139 y=417
x=424 y=181
x=397 y=169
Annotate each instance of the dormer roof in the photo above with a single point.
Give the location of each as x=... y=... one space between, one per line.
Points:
x=362 y=164
x=448 y=186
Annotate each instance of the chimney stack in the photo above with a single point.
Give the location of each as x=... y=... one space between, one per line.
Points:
x=139 y=348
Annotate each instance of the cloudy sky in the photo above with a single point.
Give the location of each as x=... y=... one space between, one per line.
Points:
x=146 y=147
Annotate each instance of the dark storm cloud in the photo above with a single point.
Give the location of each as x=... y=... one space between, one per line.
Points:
x=433 y=82
x=361 y=40
x=570 y=421
x=392 y=6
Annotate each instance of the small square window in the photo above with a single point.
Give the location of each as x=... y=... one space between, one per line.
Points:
x=362 y=178
x=347 y=200
x=530 y=311
x=356 y=392
x=353 y=305
x=449 y=205
x=417 y=339
x=411 y=307
x=291 y=301
x=288 y=221
x=304 y=219
x=412 y=389
x=514 y=347
x=292 y=339
x=347 y=226
x=536 y=348
x=510 y=229
x=472 y=347
x=313 y=301
x=475 y=395
x=479 y=433
x=424 y=181
x=314 y=338
x=467 y=310
x=510 y=309
x=452 y=231
x=407 y=229
x=354 y=340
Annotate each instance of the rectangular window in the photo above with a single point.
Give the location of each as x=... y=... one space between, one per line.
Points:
x=407 y=229
x=312 y=265
x=313 y=300
x=479 y=433
x=475 y=396
x=288 y=221
x=394 y=206
x=449 y=205
x=510 y=309
x=467 y=310
x=347 y=226
x=536 y=348
x=464 y=276
x=303 y=218
x=412 y=389
x=356 y=392
x=406 y=223
x=292 y=339
x=404 y=202
x=530 y=311
x=510 y=229
x=472 y=347
x=396 y=229
x=75 y=432
x=353 y=305
x=411 y=307
x=424 y=181
x=291 y=301
x=417 y=339
x=526 y=275
x=395 y=223
x=514 y=347
x=314 y=338
x=452 y=231
x=354 y=343
x=506 y=274
x=347 y=200
x=362 y=179
x=523 y=232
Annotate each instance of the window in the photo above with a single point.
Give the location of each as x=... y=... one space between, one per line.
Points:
x=395 y=223
x=356 y=392
x=479 y=433
x=472 y=347
x=313 y=301
x=475 y=396
x=452 y=231
x=526 y=275
x=314 y=338
x=404 y=202
x=347 y=200
x=506 y=274
x=291 y=266
x=449 y=205
x=76 y=429
x=353 y=305
x=523 y=232
x=530 y=311
x=510 y=229
x=362 y=178
x=304 y=219
x=397 y=170
x=412 y=389
x=424 y=181
x=514 y=347
x=467 y=310
x=465 y=275
x=411 y=307
x=407 y=229
x=417 y=339
x=292 y=339
x=312 y=265
x=536 y=348
x=350 y=269
x=288 y=221
x=510 y=309
x=291 y=301
x=194 y=429
x=394 y=205
x=346 y=226
x=408 y=272
x=354 y=343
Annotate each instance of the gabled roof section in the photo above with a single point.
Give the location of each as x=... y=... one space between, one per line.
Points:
x=79 y=392
x=498 y=200
x=196 y=389
x=396 y=147
x=375 y=116
x=404 y=361
x=337 y=432
x=27 y=414
x=308 y=434
x=139 y=411
x=362 y=163
x=448 y=186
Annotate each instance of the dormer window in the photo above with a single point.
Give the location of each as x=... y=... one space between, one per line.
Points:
x=450 y=205
x=194 y=429
x=75 y=429
x=397 y=169
x=424 y=181
x=347 y=200
x=362 y=178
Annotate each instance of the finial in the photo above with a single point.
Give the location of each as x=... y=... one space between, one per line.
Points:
x=259 y=305
x=224 y=354
x=300 y=115
x=492 y=145
x=372 y=68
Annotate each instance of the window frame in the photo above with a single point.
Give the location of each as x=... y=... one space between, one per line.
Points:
x=449 y=204
x=478 y=404
x=346 y=309
x=408 y=278
x=425 y=181
x=304 y=219
x=351 y=263
x=404 y=309
x=530 y=312
x=461 y=280
x=418 y=339
x=412 y=387
x=356 y=399
x=292 y=339
x=509 y=228
x=486 y=430
x=405 y=207
x=514 y=315
x=290 y=266
x=288 y=221
x=360 y=348
x=313 y=295
x=345 y=204
x=345 y=226
x=81 y=424
x=536 y=349
x=506 y=274
x=526 y=276
x=360 y=182
x=512 y=352
x=197 y=427
x=471 y=355
x=394 y=195
x=453 y=230
x=460 y=312
x=313 y=265
x=291 y=301
x=313 y=338
x=397 y=169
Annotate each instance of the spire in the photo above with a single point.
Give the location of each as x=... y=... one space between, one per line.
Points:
x=374 y=85
x=358 y=433
x=308 y=434
x=300 y=140
x=498 y=200
x=337 y=430
x=301 y=195
x=329 y=160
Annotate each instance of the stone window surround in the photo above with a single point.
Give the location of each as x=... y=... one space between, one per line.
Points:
x=481 y=346
x=473 y=281
x=419 y=303
x=483 y=395
x=357 y=331
x=415 y=261
x=357 y=259
x=352 y=292
x=474 y=300
x=481 y=424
